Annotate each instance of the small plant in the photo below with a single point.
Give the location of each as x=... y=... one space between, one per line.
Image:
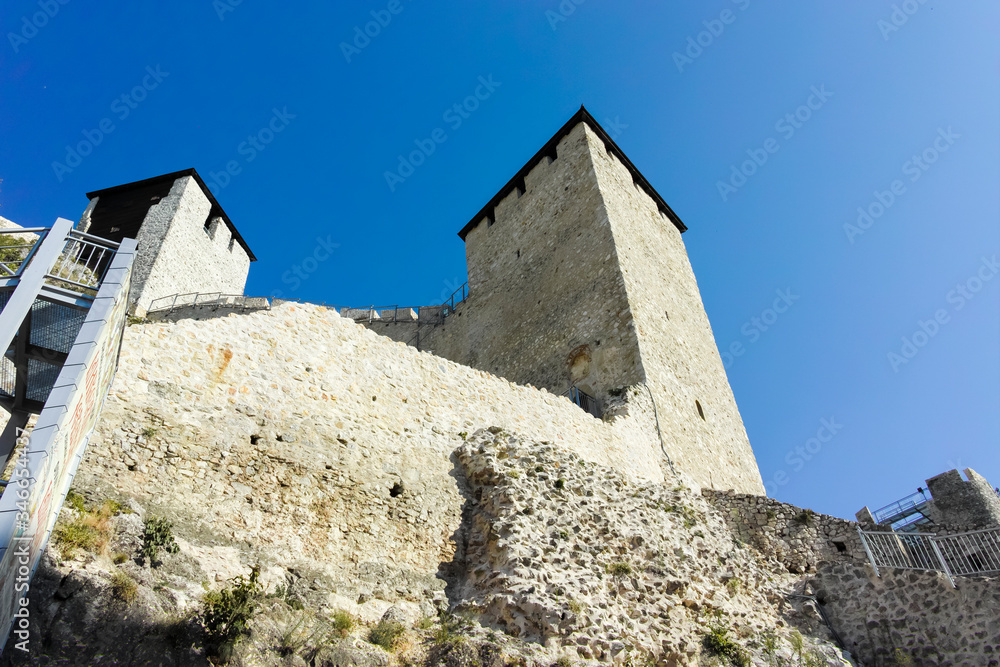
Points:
x=805 y=517
x=149 y=432
x=718 y=642
x=119 y=558
x=343 y=622
x=901 y=658
x=76 y=501
x=575 y=606
x=539 y=468
x=798 y=643
x=769 y=642
x=157 y=534
x=464 y=435
x=563 y=535
x=563 y=662
x=386 y=634
x=226 y=613
x=620 y=570
x=123 y=588
x=560 y=484
x=74 y=536
x=90 y=530
x=733 y=586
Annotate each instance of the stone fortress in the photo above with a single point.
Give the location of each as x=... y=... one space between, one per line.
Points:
x=497 y=457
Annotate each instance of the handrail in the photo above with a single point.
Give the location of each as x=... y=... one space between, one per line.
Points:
x=899 y=507
x=959 y=554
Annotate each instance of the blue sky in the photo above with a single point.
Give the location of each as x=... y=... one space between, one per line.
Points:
x=893 y=108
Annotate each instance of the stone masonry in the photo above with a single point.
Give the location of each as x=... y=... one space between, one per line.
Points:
x=578 y=277
x=184 y=243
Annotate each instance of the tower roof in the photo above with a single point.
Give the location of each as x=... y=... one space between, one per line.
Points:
x=125 y=211
x=549 y=149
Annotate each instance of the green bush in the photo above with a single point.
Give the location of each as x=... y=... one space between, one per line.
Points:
x=74 y=536
x=620 y=570
x=74 y=499
x=343 y=622
x=386 y=634
x=226 y=613
x=123 y=588
x=718 y=642
x=157 y=534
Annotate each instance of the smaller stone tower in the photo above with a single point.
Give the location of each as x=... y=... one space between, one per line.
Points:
x=186 y=242
x=961 y=504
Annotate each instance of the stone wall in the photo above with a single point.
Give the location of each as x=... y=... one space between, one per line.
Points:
x=579 y=280
x=313 y=442
x=799 y=538
x=548 y=303
x=179 y=254
x=960 y=504
x=910 y=617
x=680 y=359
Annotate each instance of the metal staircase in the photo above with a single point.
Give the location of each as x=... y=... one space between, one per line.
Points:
x=63 y=301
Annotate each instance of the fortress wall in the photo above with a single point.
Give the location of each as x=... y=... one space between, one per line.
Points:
x=310 y=440
x=176 y=253
x=800 y=539
x=547 y=302
x=680 y=358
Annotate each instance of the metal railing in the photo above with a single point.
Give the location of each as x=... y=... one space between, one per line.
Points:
x=15 y=253
x=83 y=262
x=961 y=554
x=900 y=507
x=587 y=402
x=977 y=552
x=463 y=294
x=167 y=304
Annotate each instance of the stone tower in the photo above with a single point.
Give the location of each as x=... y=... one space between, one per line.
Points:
x=186 y=242
x=578 y=277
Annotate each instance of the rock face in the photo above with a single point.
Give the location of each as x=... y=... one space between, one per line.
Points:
x=364 y=477
x=569 y=554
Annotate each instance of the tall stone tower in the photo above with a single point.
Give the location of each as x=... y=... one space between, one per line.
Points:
x=578 y=277
x=186 y=242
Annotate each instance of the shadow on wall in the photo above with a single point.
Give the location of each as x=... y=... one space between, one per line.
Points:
x=76 y=619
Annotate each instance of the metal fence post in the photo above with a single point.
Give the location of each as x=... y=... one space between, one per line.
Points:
x=871 y=559
x=944 y=565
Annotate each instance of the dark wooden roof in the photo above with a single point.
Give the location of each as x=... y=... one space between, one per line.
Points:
x=120 y=210
x=549 y=149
